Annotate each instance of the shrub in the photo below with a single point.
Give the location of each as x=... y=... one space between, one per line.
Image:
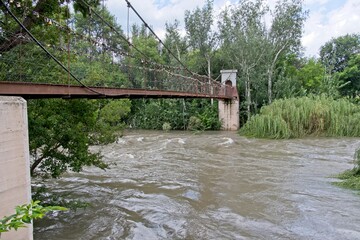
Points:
x=166 y=126
x=195 y=123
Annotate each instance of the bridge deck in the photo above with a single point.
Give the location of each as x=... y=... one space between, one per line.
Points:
x=36 y=90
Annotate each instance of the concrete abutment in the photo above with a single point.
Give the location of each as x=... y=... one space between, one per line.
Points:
x=15 y=185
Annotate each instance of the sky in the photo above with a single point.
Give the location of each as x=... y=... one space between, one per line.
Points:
x=327 y=18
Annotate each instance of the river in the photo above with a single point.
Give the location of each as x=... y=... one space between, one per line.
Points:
x=212 y=185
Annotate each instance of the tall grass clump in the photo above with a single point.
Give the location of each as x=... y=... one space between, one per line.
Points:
x=299 y=117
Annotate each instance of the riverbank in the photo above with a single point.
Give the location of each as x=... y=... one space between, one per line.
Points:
x=351 y=178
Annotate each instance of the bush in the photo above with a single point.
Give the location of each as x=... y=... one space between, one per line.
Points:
x=166 y=126
x=195 y=123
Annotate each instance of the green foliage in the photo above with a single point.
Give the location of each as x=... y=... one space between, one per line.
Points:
x=336 y=53
x=152 y=114
x=299 y=117
x=60 y=132
x=351 y=178
x=257 y=50
x=25 y=10
x=195 y=123
x=111 y=115
x=201 y=37
x=137 y=66
x=350 y=76
x=315 y=80
x=311 y=75
x=205 y=120
x=166 y=126
x=175 y=43
x=349 y=181
x=265 y=126
x=198 y=27
x=209 y=118
x=288 y=84
x=32 y=66
x=25 y=214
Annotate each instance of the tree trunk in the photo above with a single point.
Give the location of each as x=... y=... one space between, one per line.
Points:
x=271 y=72
x=35 y=164
x=248 y=95
x=209 y=76
x=270 y=86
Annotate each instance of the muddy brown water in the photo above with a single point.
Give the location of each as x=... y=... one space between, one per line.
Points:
x=213 y=185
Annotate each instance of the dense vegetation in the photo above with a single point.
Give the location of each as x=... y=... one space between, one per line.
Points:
x=304 y=116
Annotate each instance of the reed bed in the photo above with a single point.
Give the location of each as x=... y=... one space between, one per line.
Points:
x=300 y=117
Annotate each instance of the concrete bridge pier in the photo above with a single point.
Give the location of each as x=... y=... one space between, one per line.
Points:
x=15 y=185
x=229 y=109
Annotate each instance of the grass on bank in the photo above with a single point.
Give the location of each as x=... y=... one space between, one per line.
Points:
x=351 y=178
x=305 y=116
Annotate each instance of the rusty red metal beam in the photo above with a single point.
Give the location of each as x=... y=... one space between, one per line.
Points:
x=38 y=90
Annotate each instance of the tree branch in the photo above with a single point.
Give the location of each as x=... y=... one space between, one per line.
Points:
x=39 y=160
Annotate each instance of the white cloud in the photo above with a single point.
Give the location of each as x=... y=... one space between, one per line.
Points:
x=324 y=25
x=156 y=15
x=327 y=19
x=320 y=2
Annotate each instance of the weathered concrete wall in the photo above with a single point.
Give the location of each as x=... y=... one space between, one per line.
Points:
x=15 y=184
x=229 y=115
x=229 y=110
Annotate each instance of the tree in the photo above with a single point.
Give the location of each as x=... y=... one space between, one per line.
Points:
x=100 y=51
x=256 y=50
x=311 y=75
x=29 y=13
x=285 y=35
x=350 y=77
x=174 y=42
x=288 y=84
x=336 y=53
x=242 y=33
x=105 y=39
x=144 y=59
x=202 y=38
x=61 y=131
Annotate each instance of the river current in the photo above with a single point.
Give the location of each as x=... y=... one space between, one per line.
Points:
x=212 y=185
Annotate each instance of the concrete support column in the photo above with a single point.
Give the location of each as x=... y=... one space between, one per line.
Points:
x=15 y=185
x=229 y=109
